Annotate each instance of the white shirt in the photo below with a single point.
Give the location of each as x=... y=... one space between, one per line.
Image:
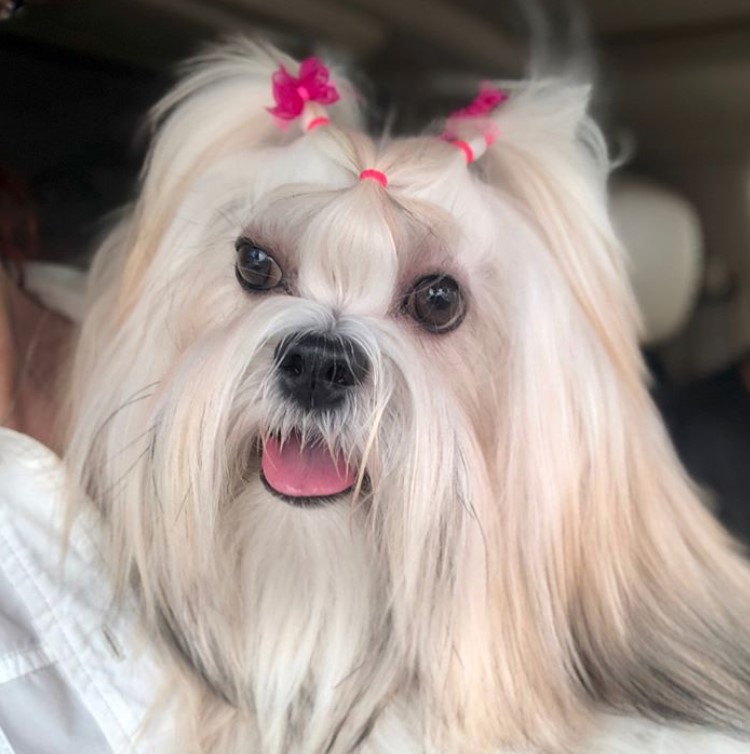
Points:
x=76 y=677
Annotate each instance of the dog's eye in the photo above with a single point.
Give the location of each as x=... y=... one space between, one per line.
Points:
x=256 y=269
x=436 y=303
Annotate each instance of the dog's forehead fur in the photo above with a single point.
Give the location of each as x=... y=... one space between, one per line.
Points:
x=332 y=232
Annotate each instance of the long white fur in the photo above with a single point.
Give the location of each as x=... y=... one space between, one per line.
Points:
x=530 y=555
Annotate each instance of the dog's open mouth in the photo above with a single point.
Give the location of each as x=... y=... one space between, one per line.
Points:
x=305 y=474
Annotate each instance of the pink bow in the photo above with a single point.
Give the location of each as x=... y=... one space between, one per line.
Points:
x=291 y=94
x=483 y=104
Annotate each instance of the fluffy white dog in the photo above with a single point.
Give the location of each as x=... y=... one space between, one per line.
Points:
x=369 y=431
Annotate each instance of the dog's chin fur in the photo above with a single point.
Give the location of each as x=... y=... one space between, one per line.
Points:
x=526 y=552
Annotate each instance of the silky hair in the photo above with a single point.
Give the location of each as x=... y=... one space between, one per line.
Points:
x=526 y=553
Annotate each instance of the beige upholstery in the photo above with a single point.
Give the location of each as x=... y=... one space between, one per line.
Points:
x=662 y=235
x=59 y=288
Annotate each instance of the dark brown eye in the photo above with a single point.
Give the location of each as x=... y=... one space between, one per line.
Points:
x=436 y=303
x=256 y=269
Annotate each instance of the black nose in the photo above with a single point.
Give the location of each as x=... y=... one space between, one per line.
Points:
x=317 y=371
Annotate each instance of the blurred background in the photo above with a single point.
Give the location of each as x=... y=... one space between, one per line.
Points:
x=673 y=93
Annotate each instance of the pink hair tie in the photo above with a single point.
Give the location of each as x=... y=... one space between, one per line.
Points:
x=480 y=108
x=374 y=175
x=465 y=148
x=304 y=95
x=320 y=120
x=483 y=104
x=490 y=135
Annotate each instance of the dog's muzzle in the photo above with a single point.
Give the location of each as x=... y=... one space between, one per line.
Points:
x=317 y=371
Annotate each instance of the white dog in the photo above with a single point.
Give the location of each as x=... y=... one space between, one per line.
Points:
x=369 y=431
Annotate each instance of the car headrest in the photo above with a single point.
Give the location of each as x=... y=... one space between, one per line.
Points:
x=662 y=235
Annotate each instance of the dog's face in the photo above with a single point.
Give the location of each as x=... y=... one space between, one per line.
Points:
x=329 y=363
x=356 y=314
x=367 y=448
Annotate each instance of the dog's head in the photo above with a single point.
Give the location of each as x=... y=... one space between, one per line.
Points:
x=367 y=447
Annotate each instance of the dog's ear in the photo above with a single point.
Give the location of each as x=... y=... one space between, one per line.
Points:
x=617 y=567
x=550 y=155
x=219 y=107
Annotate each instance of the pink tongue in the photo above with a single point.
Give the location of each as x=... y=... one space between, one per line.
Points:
x=308 y=472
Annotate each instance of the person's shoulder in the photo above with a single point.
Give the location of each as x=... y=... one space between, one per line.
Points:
x=64 y=643
x=16 y=447
x=32 y=477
